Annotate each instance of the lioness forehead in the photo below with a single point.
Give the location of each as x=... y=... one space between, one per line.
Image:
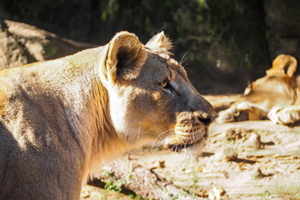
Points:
x=166 y=58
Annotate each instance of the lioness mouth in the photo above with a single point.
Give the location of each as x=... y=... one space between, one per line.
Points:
x=177 y=143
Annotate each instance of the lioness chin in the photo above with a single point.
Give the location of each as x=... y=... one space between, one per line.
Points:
x=60 y=119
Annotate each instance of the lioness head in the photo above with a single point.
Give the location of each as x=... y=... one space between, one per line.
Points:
x=277 y=88
x=151 y=97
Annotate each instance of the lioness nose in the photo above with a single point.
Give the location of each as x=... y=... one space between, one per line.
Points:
x=205 y=119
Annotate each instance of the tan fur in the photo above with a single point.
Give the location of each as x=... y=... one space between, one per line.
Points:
x=60 y=120
x=283 y=65
x=275 y=96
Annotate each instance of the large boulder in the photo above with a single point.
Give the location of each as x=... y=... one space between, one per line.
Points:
x=21 y=44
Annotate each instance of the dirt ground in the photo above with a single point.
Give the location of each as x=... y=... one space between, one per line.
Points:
x=244 y=160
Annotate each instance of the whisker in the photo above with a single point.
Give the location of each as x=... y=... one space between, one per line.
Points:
x=185 y=144
x=139 y=133
x=194 y=153
x=160 y=135
x=159 y=143
x=183 y=59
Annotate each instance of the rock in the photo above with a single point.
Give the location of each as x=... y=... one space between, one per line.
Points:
x=216 y=192
x=22 y=44
x=254 y=141
x=230 y=154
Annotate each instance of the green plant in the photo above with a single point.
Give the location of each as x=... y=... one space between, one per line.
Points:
x=116 y=185
x=194 y=187
x=166 y=195
x=231 y=141
x=265 y=195
x=134 y=196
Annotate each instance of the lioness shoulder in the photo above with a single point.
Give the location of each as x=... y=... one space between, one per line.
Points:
x=60 y=119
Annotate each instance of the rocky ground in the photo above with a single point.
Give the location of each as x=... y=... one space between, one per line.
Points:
x=245 y=160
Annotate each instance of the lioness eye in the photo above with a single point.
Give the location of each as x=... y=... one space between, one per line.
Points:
x=164 y=84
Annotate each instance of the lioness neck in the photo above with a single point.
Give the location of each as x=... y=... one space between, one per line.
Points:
x=68 y=96
x=91 y=115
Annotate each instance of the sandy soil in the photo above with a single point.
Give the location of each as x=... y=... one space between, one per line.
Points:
x=245 y=160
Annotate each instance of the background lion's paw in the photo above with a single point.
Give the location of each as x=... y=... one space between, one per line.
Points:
x=289 y=115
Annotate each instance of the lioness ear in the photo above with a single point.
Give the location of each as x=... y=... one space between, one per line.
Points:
x=159 y=41
x=283 y=65
x=125 y=57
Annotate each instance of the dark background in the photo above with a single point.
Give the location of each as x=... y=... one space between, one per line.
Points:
x=227 y=43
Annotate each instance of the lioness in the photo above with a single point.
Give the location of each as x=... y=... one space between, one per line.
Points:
x=60 y=119
x=275 y=96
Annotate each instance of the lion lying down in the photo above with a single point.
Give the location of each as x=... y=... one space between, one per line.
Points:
x=275 y=96
x=60 y=119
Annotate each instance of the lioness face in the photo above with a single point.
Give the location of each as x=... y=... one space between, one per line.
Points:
x=159 y=103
